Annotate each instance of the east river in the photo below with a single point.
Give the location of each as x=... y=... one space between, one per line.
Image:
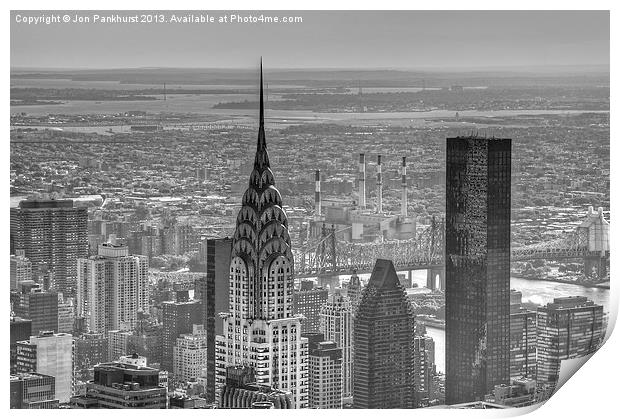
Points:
x=534 y=291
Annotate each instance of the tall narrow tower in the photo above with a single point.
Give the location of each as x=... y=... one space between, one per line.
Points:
x=403 y=184
x=260 y=329
x=383 y=344
x=111 y=288
x=317 y=195
x=379 y=186
x=361 y=181
x=336 y=324
x=477 y=267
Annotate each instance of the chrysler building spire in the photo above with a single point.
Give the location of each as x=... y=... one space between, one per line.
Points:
x=262 y=158
x=261 y=316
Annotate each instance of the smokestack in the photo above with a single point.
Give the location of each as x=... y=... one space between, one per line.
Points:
x=403 y=210
x=362 y=181
x=317 y=194
x=379 y=187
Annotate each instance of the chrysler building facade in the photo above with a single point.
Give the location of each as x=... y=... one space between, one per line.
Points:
x=260 y=329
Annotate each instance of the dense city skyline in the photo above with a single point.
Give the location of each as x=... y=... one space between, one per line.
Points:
x=373 y=249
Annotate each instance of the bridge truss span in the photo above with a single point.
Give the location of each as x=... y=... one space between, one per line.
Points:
x=570 y=245
x=329 y=255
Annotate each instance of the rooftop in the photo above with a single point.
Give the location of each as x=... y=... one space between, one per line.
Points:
x=28 y=375
x=49 y=203
x=384 y=275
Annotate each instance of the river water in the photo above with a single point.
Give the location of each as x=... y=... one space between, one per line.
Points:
x=538 y=292
x=534 y=291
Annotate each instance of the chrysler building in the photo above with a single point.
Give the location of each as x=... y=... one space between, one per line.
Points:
x=260 y=329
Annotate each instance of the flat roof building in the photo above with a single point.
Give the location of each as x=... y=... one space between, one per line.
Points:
x=52 y=232
x=49 y=353
x=477 y=255
x=119 y=385
x=31 y=390
x=325 y=373
x=570 y=327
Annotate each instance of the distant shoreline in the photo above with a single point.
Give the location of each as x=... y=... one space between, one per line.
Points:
x=561 y=281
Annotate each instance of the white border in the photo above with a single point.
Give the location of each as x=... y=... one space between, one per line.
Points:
x=590 y=392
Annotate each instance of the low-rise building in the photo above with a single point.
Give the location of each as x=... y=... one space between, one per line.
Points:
x=31 y=390
x=123 y=386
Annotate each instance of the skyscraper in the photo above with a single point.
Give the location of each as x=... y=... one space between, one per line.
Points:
x=178 y=318
x=178 y=239
x=66 y=314
x=205 y=292
x=308 y=301
x=49 y=354
x=570 y=327
x=190 y=354
x=212 y=290
x=354 y=291
x=325 y=367
x=215 y=256
x=20 y=329
x=40 y=307
x=260 y=329
x=424 y=359
x=336 y=325
x=147 y=339
x=383 y=360
x=21 y=270
x=477 y=267
x=118 y=344
x=90 y=349
x=111 y=288
x=51 y=232
x=522 y=339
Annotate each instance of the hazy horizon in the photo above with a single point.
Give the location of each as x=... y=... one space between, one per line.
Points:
x=324 y=40
x=585 y=68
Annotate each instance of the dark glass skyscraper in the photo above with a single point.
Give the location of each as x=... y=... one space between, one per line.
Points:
x=178 y=318
x=212 y=290
x=215 y=257
x=477 y=266
x=383 y=360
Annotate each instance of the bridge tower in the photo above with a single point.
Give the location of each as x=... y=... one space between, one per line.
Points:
x=596 y=229
x=328 y=255
x=436 y=278
x=321 y=249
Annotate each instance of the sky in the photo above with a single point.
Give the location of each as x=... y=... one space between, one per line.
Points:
x=325 y=39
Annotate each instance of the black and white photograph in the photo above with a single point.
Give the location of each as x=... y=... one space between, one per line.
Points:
x=306 y=209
